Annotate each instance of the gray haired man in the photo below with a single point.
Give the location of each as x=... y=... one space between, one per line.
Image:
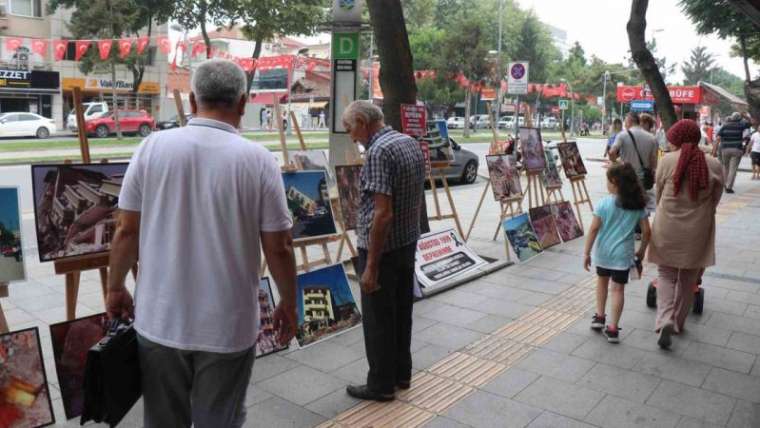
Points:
x=196 y=203
x=392 y=192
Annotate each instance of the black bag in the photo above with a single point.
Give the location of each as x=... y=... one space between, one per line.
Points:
x=112 y=376
x=647 y=178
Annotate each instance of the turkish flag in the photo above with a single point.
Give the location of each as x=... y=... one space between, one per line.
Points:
x=13 y=43
x=81 y=46
x=164 y=45
x=246 y=64
x=59 y=49
x=40 y=47
x=125 y=46
x=104 y=47
x=142 y=42
x=198 y=47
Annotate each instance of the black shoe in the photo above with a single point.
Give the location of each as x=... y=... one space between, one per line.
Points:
x=362 y=392
x=597 y=322
x=403 y=384
x=664 y=340
x=730 y=191
x=613 y=336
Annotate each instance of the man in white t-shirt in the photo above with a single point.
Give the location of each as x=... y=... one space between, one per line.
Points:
x=639 y=148
x=197 y=203
x=754 y=145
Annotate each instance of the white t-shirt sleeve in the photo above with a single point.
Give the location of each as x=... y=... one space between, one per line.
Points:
x=130 y=196
x=274 y=216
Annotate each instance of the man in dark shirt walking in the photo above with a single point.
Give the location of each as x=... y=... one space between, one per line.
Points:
x=731 y=139
x=392 y=192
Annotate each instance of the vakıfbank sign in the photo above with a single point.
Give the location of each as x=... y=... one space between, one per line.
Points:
x=98 y=85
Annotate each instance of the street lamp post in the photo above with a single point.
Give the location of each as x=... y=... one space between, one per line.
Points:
x=572 y=107
x=498 y=62
x=604 y=101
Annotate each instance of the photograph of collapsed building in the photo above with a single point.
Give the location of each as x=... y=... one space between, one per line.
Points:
x=266 y=341
x=309 y=204
x=74 y=208
x=325 y=304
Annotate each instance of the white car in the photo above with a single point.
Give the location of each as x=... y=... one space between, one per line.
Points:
x=91 y=111
x=455 y=122
x=23 y=124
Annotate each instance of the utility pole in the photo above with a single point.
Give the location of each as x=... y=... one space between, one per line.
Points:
x=116 y=121
x=604 y=102
x=371 y=65
x=498 y=62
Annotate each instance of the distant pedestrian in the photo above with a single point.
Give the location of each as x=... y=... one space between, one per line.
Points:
x=731 y=139
x=689 y=187
x=638 y=147
x=617 y=127
x=321 y=123
x=614 y=248
x=392 y=194
x=754 y=149
x=647 y=123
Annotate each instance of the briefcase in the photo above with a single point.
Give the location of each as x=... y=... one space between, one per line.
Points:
x=112 y=376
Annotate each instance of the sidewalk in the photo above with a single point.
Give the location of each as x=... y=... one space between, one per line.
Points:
x=512 y=349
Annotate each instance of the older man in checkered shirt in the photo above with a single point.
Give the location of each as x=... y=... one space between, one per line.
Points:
x=392 y=192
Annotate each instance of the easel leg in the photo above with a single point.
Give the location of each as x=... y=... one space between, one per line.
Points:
x=326 y=253
x=104 y=282
x=305 y=258
x=586 y=195
x=3 y=321
x=72 y=292
x=502 y=215
x=453 y=207
x=477 y=210
x=350 y=245
x=435 y=198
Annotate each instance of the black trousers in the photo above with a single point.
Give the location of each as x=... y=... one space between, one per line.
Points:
x=387 y=319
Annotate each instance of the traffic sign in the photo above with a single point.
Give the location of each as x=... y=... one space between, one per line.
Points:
x=563 y=104
x=517 y=78
x=642 y=105
x=345 y=46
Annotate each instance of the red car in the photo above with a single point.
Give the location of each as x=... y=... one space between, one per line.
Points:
x=131 y=121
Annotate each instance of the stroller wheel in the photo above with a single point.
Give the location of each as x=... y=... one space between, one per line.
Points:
x=651 y=296
x=699 y=301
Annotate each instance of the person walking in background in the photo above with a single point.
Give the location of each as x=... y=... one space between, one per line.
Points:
x=617 y=127
x=392 y=193
x=647 y=123
x=689 y=188
x=754 y=153
x=197 y=309
x=731 y=139
x=611 y=237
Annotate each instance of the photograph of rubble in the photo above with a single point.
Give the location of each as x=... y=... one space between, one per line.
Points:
x=24 y=394
x=325 y=304
x=11 y=252
x=74 y=208
x=309 y=204
x=266 y=341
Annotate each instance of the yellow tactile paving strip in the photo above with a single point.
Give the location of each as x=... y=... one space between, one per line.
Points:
x=452 y=379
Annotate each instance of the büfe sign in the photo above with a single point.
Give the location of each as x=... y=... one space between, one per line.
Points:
x=413 y=120
x=679 y=94
x=442 y=256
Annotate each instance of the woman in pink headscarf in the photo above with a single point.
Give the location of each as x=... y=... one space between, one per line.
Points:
x=689 y=188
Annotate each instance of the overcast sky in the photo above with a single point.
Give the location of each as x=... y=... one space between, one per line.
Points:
x=599 y=25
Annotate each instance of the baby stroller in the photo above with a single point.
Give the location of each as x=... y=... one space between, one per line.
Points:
x=699 y=296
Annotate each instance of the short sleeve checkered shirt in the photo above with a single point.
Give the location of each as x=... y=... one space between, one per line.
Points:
x=393 y=166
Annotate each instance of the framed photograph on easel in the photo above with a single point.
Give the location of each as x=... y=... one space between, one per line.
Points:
x=11 y=248
x=309 y=204
x=532 y=146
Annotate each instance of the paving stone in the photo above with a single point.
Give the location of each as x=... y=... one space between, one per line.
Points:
x=744 y=342
x=692 y=402
x=511 y=382
x=627 y=384
x=454 y=315
x=486 y=410
x=302 y=385
x=420 y=323
x=325 y=356
x=505 y=308
x=255 y=395
x=355 y=372
x=671 y=367
x=550 y=420
x=614 y=412
x=737 y=385
x=444 y=422
x=706 y=334
x=616 y=355
x=348 y=338
x=565 y=342
x=332 y=404
x=448 y=336
x=488 y=324
x=276 y=412
x=429 y=355
x=745 y=415
x=687 y=422
x=424 y=306
x=647 y=340
x=460 y=298
x=557 y=365
x=743 y=297
x=560 y=397
x=720 y=357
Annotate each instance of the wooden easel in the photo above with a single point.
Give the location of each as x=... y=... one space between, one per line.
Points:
x=535 y=191
x=510 y=207
x=551 y=195
x=437 y=172
x=180 y=108
x=580 y=196
x=3 y=321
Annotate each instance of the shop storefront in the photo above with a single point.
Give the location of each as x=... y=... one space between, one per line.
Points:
x=31 y=91
x=95 y=89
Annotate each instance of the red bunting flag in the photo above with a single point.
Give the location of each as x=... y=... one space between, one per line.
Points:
x=164 y=45
x=40 y=47
x=13 y=43
x=125 y=46
x=246 y=64
x=142 y=43
x=81 y=46
x=104 y=48
x=198 y=48
x=59 y=49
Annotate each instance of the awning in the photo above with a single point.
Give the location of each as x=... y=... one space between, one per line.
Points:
x=267 y=98
x=723 y=93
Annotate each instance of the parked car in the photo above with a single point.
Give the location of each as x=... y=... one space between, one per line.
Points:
x=550 y=122
x=23 y=124
x=480 y=121
x=11 y=251
x=455 y=122
x=131 y=121
x=508 y=122
x=173 y=122
x=91 y=111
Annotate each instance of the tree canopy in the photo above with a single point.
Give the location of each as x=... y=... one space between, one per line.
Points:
x=699 y=66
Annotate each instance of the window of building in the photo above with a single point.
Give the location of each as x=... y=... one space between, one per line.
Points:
x=26 y=7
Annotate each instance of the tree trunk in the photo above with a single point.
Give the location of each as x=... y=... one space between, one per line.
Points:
x=206 y=39
x=396 y=69
x=467 y=104
x=256 y=54
x=646 y=63
x=116 y=122
x=750 y=88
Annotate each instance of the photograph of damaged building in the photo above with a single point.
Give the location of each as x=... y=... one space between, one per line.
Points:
x=74 y=208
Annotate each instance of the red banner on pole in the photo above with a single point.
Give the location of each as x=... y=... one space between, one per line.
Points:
x=81 y=48
x=198 y=48
x=164 y=45
x=142 y=43
x=125 y=46
x=13 y=43
x=59 y=49
x=413 y=120
x=40 y=47
x=104 y=48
